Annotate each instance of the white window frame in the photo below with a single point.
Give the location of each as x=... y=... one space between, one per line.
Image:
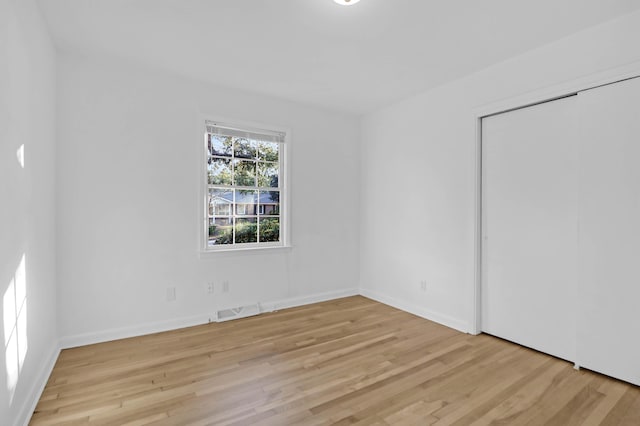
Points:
x=283 y=182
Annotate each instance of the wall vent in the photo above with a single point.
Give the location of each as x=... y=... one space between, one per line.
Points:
x=238 y=312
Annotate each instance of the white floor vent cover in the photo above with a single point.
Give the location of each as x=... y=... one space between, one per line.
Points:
x=238 y=312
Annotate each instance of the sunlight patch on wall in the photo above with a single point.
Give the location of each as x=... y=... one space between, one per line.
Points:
x=14 y=303
x=20 y=155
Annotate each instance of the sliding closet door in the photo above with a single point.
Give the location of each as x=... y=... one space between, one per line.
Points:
x=609 y=256
x=530 y=226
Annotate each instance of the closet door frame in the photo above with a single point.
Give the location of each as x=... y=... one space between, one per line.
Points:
x=532 y=98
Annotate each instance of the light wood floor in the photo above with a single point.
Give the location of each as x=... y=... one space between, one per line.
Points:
x=349 y=361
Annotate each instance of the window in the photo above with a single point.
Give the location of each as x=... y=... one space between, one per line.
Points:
x=244 y=187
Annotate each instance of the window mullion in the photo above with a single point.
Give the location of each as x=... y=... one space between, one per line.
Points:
x=234 y=217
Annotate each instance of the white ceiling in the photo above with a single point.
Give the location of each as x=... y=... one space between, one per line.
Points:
x=352 y=59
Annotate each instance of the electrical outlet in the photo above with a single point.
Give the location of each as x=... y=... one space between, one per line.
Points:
x=225 y=286
x=210 y=287
x=171 y=294
x=423 y=285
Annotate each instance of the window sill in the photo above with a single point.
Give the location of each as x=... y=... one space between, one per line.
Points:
x=208 y=254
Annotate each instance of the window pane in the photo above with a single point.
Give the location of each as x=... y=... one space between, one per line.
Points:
x=221 y=231
x=222 y=210
x=269 y=229
x=244 y=173
x=244 y=148
x=220 y=145
x=219 y=171
x=220 y=201
x=223 y=221
x=246 y=203
x=270 y=203
x=268 y=151
x=268 y=175
x=220 y=223
x=246 y=230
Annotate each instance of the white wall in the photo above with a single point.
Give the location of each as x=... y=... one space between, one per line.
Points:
x=419 y=158
x=128 y=200
x=27 y=207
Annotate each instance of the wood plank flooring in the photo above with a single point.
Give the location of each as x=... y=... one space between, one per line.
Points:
x=348 y=361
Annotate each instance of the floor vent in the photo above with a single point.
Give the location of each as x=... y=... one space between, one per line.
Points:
x=238 y=312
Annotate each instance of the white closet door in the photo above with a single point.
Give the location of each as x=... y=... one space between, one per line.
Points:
x=530 y=227
x=609 y=255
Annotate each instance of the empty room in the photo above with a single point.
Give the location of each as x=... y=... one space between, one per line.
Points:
x=315 y=212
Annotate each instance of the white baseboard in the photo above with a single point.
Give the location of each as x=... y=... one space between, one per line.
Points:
x=25 y=413
x=156 y=327
x=292 y=302
x=159 y=326
x=134 y=331
x=445 y=320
